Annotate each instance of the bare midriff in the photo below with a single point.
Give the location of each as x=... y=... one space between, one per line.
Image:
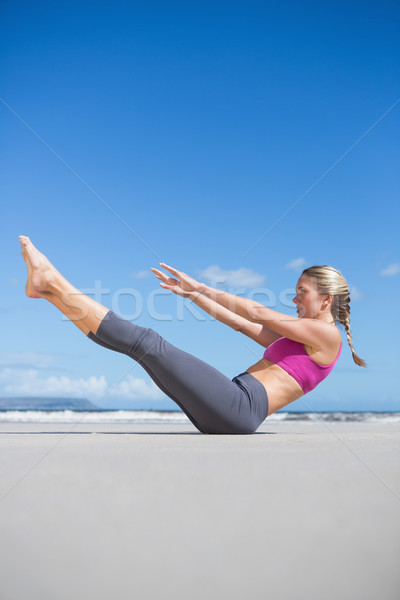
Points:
x=281 y=388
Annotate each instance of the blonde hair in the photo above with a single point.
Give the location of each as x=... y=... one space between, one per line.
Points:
x=330 y=281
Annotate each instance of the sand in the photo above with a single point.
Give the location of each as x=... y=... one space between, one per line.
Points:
x=299 y=510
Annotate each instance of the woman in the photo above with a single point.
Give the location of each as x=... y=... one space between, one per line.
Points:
x=300 y=351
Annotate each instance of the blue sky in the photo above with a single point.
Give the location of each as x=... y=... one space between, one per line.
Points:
x=135 y=132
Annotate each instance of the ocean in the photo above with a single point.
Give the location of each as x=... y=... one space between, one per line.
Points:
x=159 y=417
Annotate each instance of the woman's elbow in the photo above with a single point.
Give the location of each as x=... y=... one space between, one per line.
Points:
x=257 y=314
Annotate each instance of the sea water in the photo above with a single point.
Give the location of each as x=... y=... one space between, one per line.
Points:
x=159 y=417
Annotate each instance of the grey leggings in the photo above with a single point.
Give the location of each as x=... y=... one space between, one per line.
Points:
x=213 y=402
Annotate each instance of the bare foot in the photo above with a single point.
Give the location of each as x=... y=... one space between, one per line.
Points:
x=41 y=272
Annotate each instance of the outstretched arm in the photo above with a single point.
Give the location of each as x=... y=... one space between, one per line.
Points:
x=186 y=286
x=312 y=332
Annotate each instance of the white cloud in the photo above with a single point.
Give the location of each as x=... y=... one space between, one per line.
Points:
x=28 y=382
x=390 y=270
x=355 y=293
x=242 y=277
x=37 y=360
x=296 y=264
x=141 y=274
x=135 y=388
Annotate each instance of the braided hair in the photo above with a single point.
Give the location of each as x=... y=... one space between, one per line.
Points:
x=330 y=281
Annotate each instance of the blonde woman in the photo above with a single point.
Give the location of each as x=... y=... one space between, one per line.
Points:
x=300 y=351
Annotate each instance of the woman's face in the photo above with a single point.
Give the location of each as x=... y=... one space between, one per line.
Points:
x=307 y=300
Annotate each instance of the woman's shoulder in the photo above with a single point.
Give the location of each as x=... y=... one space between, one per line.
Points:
x=329 y=349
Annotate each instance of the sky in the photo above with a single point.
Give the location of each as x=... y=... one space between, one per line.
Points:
x=237 y=141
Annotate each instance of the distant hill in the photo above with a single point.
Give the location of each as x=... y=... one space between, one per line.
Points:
x=31 y=403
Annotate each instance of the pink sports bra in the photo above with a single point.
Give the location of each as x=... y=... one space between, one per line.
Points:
x=292 y=357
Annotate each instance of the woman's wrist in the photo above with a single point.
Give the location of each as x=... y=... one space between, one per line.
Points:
x=201 y=288
x=194 y=294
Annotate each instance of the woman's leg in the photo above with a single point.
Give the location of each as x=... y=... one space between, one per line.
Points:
x=44 y=281
x=214 y=403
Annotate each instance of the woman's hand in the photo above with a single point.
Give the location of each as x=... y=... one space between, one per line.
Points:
x=181 y=284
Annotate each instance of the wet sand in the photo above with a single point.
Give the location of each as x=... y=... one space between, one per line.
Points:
x=298 y=510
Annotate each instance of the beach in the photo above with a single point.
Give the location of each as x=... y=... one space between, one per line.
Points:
x=114 y=510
